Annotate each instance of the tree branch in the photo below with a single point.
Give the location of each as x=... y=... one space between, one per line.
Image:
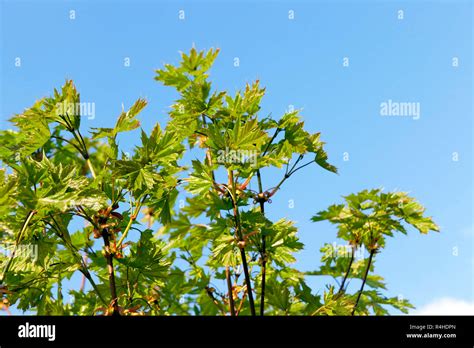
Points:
x=289 y=173
x=214 y=300
x=110 y=269
x=341 y=287
x=372 y=252
x=241 y=302
x=28 y=218
x=271 y=141
x=229 y=289
x=133 y=217
x=81 y=142
x=76 y=254
x=241 y=239
x=264 y=243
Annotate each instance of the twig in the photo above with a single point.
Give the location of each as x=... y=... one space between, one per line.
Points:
x=17 y=242
x=271 y=141
x=133 y=217
x=110 y=269
x=241 y=239
x=242 y=302
x=264 y=244
x=290 y=172
x=341 y=288
x=91 y=167
x=214 y=300
x=76 y=254
x=231 y=294
x=84 y=152
x=83 y=282
x=262 y=210
x=372 y=252
x=302 y=166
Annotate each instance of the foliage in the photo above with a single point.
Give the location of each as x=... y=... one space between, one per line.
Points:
x=169 y=263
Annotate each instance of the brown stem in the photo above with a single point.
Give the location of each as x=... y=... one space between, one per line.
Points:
x=278 y=130
x=110 y=269
x=214 y=300
x=372 y=252
x=289 y=173
x=264 y=246
x=83 y=283
x=241 y=239
x=86 y=274
x=348 y=271
x=264 y=268
x=231 y=294
x=242 y=302
x=247 y=281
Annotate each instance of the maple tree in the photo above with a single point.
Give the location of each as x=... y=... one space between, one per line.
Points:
x=53 y=175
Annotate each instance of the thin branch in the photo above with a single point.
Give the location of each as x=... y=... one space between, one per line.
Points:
x=300 y=157
x=264 y=243
x=83 y=283
x=133 y=217
x=214 y=300
x=140 y=299
x=84 y=270
x=70 y=143
x=229 y=289
x=82 y=140
x=242 y=302
x=302 y=166
x=91 y=167
x=84 y=152
x=88 y=276
x=59 y=290
x=372 y=252
x=288 y=173
x=110 y=269
x=17 y=242
x=271 y=141
x=241 y=239
x=208 y=152
x=341 y=288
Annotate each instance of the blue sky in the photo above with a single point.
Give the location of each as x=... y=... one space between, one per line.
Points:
x=300 y=61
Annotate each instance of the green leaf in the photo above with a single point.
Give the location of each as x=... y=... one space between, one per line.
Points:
x=321 y=159
x=126 y=122
x=147 y=257
x=33 y=134
x=200 y=181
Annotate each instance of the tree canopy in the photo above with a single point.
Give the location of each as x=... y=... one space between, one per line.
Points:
x=53 y=174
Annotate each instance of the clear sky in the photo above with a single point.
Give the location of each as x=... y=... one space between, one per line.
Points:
x=300 y=61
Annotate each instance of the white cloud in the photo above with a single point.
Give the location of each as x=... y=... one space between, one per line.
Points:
x=446 y=306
